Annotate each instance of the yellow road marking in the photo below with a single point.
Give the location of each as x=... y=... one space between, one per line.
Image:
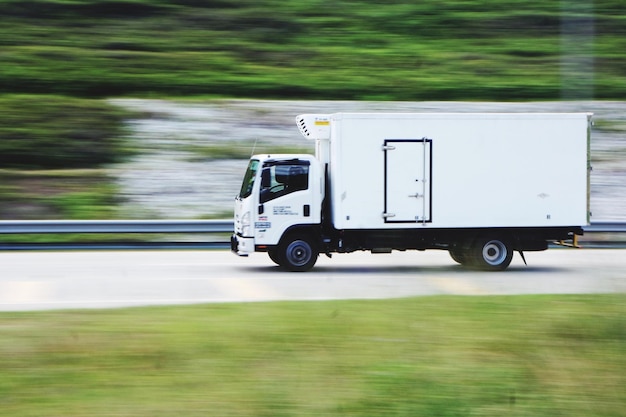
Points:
x=245 y=289
x=457 y=286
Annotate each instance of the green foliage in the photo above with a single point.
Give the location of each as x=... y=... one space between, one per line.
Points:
x=432 y=356
x=357 y=49
x=71 y=194
x=98 y=203
x=58 y=132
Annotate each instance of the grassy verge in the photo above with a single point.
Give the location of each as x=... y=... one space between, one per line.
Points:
x=74 y=194
x=52 y=150
x=361 y=49
x=443 y=356
x=54 y=132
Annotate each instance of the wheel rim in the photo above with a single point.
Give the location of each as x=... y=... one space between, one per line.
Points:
x=298 y=253
x=494 y=252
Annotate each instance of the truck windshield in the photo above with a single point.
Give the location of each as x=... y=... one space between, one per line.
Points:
x=248 y=179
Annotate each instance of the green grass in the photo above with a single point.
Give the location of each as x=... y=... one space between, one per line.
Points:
x=55 y=132
x=60 y=57
x=73 y=194
x=610 y=126
x=358 y=49
x=433 y=356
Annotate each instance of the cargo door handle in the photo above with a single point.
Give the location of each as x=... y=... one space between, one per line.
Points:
x=416 y=195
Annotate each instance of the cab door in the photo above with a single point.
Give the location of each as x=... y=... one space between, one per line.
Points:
x=286 y=198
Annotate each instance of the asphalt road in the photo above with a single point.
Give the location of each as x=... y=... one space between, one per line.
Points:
x=105 y=279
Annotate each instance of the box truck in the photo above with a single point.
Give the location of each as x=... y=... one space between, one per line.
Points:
x=481 y=186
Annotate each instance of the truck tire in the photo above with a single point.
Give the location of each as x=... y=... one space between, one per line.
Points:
x=458 y=256
x=274 y=255
x=491 y=254
x=297 y=253
x=460 y=252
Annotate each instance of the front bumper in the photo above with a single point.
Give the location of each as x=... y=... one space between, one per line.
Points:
x=242 y=246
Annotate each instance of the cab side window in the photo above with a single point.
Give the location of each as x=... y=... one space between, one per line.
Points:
x=281 y=179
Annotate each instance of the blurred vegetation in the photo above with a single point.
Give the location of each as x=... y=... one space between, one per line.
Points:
x=60 y=57
x=432 y=356
x=78 y=194
x=50 y=149
x=46 y=144
x=53 y=132
x=348 y=49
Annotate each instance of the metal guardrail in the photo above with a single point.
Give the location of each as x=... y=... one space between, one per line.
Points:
x=176 y=226
x=606 y=227
x=114 y=226
x=25 y=227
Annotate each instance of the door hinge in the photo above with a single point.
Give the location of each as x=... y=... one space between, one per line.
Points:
x=388 y=148
x=387 y=215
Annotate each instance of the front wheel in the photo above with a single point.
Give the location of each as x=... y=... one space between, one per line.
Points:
x=491 y=254
x=274 y=255
x=298 y=254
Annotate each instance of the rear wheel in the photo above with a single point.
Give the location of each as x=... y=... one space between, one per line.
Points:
x=459 y=256
x=460 y=252
x=297 y=253
x=491 y=254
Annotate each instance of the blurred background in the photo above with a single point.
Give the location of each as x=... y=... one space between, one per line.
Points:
x=148 y=109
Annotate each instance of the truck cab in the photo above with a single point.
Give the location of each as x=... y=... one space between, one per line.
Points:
x=280 y=197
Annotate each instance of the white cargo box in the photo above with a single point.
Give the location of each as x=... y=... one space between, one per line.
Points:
x=458 y=170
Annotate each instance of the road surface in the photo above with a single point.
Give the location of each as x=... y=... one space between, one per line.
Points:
x=105 y=279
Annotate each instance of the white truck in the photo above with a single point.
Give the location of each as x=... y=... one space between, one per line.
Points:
x=479 y=185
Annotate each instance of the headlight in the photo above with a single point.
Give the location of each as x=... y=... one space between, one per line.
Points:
x=245 y=224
